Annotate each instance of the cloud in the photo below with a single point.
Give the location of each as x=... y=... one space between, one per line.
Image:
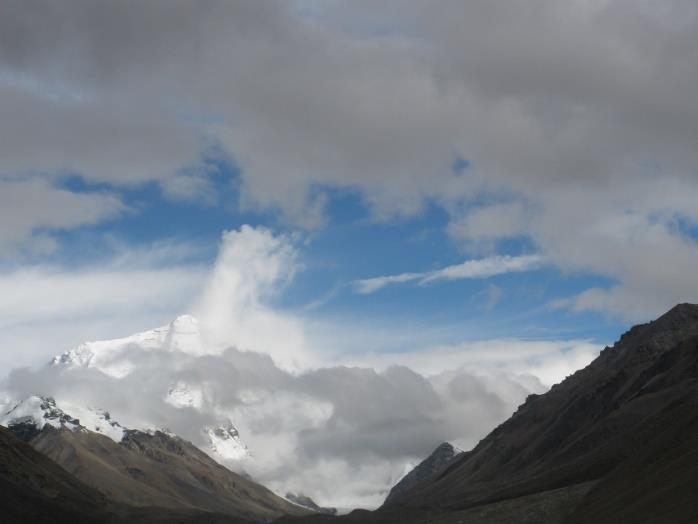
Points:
x=470 y=269
x=34 y=208
x=580 y=115
x=481 y=226
x=340 y=434
x=252 y=267
x=47 y=309
x=549 y=361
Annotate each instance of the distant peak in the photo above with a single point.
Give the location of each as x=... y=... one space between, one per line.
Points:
x=181 y=334
x=449 y=446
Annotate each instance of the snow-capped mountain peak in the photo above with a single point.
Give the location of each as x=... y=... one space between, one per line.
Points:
x=32 y=414
x=183 y=334
x=115 y=358
x=225 y=442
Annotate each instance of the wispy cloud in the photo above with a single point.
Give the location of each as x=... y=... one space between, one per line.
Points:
x=470 y=269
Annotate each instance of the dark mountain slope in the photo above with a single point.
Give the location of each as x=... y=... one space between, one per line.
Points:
x=584 y=427
x=657 y=483
x=624 y=427
x=35 y=489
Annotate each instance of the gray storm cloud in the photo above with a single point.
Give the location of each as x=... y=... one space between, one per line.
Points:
x=580 y=116
x=340 y=434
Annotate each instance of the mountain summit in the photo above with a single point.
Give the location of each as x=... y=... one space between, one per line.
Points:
x=183 y=334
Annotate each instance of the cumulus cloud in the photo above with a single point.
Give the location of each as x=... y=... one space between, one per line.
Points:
x=470 y=269
x=340 y=434
x=253 y=265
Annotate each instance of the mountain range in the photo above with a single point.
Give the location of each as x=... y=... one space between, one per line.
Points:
x=140 y=469
x=615 y=442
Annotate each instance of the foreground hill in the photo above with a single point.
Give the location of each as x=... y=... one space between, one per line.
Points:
x=615 y=442
x=35 y=489
x=141 y=469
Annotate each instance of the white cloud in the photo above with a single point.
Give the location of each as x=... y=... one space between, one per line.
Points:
x=470 y=269
x=47 y=309
x=252 y=266
x=550 y=361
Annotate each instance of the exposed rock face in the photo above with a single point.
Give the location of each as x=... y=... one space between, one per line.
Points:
x=615 y=442
x=434 y=464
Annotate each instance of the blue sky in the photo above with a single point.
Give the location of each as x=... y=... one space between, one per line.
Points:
x=350 y=246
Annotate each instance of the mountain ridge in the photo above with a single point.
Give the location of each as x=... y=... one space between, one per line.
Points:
x=585 y=432
x=142 y=468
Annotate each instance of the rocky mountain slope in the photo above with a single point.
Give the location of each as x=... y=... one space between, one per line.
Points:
x=138 y=468
x=615 y=442
x=434 y=464
x=35 y=489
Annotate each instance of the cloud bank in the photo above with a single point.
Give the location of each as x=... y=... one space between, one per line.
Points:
x=341 y=431
x=577 y=125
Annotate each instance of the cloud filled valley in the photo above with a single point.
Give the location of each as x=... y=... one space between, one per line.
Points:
x=341 y=431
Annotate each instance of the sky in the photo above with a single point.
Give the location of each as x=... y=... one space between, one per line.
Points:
x=484 y=186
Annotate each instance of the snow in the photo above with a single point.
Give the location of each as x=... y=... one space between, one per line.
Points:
x=39 y=411
x=111 y=357
x=42 y=411
x=108 y=356
x=99 y=421
x=223 y=439
x=225 y=442
x=182 y=395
